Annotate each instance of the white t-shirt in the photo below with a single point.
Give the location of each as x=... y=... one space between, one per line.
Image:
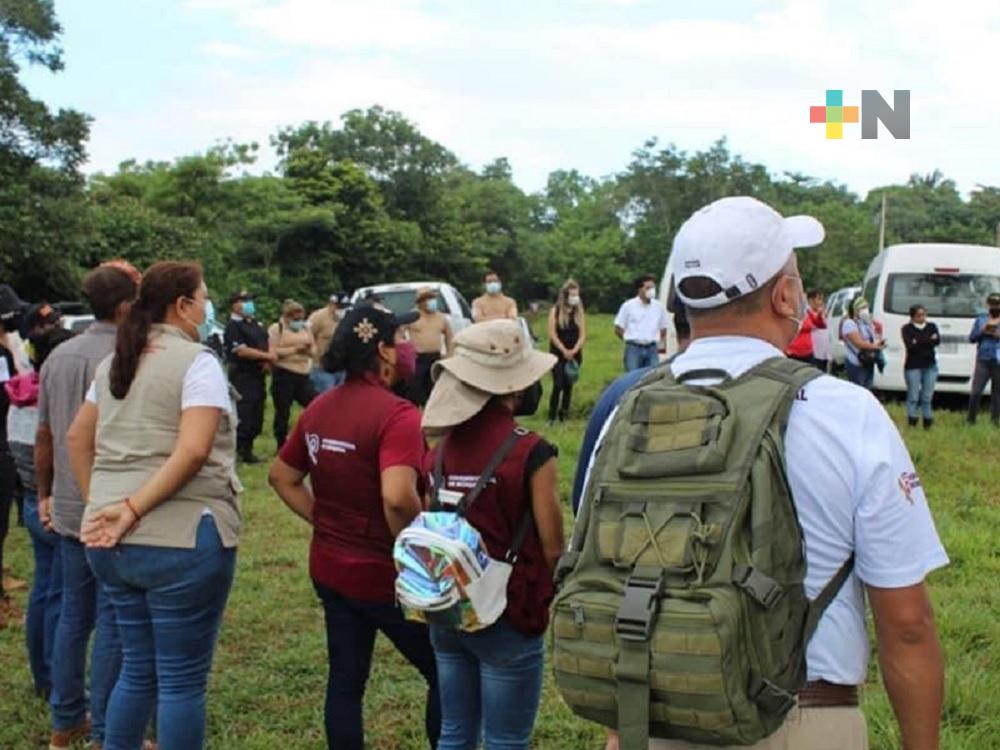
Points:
x=204 y=385
x=641 y=322
x=854 y=488
x=855 y=326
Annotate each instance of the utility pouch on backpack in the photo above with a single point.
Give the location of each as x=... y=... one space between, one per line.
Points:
x=682 y=612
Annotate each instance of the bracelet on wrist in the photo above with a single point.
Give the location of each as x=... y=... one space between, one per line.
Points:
x=131 y=507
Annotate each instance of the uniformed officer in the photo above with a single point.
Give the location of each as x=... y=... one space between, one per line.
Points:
x=249 y=360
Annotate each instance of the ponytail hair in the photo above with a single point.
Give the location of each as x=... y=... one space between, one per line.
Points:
x=162 y=285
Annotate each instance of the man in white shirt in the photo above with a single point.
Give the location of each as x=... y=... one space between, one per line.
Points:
x=852 y=480
x=642 y=323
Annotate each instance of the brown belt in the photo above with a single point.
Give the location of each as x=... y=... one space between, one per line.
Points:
x=823 y=694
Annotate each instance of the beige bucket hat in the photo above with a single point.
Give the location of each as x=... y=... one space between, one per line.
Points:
x=494 y=358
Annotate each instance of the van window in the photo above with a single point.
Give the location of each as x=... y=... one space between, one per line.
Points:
x=944 y=295
x=871 y=287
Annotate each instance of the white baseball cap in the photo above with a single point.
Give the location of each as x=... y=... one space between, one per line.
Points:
x=739 y=243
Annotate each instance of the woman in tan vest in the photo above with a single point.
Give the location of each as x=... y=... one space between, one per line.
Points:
x=153 y=450
x=291 y=341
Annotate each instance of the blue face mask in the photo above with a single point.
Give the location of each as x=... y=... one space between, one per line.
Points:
x=432 y=305
x=207 y=326
x=296 y=325
x=493 y=287
x=248 y=308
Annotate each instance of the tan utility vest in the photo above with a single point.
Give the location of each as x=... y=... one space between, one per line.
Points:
x=136 y=435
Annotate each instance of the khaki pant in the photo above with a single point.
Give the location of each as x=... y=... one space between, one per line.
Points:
x=804 y=729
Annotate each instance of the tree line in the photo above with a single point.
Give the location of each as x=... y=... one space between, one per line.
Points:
x=370 y=199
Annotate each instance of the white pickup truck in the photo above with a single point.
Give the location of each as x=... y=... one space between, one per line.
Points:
x=401 y=298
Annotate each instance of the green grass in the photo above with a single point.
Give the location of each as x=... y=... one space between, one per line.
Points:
x=269 y=674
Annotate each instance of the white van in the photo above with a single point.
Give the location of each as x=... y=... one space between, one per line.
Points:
x=952 y=282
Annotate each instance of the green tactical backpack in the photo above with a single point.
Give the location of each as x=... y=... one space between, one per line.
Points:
x=681 y=611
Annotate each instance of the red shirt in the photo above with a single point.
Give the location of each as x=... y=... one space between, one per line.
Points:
x=499 y=510
x=802 y=345
x=344 y=440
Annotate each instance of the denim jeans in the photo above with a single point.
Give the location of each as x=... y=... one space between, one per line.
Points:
x=919 y=391
x=491 y=684
x=85 y=608
x=985 y=372
x=351 y=626
x=637 y=357
x=323 y=381
x=45 y=598
x=169 y=603
x=863 y=375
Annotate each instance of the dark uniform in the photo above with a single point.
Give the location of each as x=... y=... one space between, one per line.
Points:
x=247 y=377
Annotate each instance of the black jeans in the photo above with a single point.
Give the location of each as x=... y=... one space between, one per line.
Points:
x=351 y=626
x=288 y=387
x=249 y=408
x=562 y=392
x=985 y=372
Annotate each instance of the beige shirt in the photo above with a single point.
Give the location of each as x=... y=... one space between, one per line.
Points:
x=294 y=348
x=323 y=324
x=431 y=333
x=493 y=307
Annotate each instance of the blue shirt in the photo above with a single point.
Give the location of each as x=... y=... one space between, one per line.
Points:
x=987 y=347
x=606 y=405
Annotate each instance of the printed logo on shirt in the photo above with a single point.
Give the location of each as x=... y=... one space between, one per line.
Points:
x=908 y=483
x=801 y=395
x=315 y=444
x=464 y=481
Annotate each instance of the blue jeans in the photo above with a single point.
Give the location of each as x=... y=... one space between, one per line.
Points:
x=351 y=626
x=637 y=357
x=85 y=608
x=491 y=684
x=863 y=375
x=919 y=391
x=45 y=598
x=323 y=381
x=169 y=603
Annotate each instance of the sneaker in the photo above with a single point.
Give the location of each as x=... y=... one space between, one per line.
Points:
x=928 y=423
x=65 y=738
x=912 y=421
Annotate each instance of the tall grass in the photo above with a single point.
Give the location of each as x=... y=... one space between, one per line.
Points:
x=270 y=669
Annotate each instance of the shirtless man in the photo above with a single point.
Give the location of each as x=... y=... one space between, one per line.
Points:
x=430 y=334
x=494 y=305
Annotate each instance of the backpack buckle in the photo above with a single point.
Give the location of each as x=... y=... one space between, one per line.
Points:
x=770 y=697
x=640 y=605
x=764 y=589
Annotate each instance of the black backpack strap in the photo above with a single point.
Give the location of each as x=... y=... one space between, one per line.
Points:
x=438 y=475
x=487 y=474
x=823 y=600
x=520 y=535
x=703 y=374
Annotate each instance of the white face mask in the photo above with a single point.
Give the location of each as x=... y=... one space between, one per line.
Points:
x=865 y=315
x=650 y=293
x=493 y=287
x=573 y=300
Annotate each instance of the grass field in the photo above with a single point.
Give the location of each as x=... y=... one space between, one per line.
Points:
x=269 y=676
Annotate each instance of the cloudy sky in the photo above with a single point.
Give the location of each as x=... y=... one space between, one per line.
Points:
x=569 y=84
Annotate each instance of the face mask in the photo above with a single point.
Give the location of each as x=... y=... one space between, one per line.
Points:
x=406 y=360
x=432 y=305
x=207 y=326
x=530 y=398
x=865 y=315
x=249 y=308
x=573 y=300
x=493 y=287
x=803 y=311
x=297 y=325
x=651 y=293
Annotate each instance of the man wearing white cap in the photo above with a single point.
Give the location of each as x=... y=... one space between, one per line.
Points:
x=738 y=277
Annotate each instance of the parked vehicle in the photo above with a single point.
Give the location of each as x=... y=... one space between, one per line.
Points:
x=401 y=298
x=74 y=316
x=836 y=310
x=951 y=281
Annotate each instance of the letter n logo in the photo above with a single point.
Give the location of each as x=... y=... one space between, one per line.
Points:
x=875 y=109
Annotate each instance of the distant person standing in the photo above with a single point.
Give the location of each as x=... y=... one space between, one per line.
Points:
x=494 y=305
x=249 y=357
x=431 y=336
x=807 y=346
x=323 y=324
x=920 y=368
x=567 y=335
x=292 y=344
x=641 y=323
x=985 y=335
x=862 y=345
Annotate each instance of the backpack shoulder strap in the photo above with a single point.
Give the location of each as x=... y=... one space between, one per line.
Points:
x=484 y=477
x=438 y=474
x=825 y=597
x=795 y=374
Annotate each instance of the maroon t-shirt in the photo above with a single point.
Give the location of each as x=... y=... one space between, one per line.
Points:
x=344 y=440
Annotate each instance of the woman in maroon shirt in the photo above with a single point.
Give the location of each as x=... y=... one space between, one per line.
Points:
x=491 y=680
x=362 y=449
